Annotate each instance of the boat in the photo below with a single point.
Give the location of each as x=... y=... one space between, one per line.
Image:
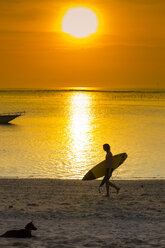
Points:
x=7 y=117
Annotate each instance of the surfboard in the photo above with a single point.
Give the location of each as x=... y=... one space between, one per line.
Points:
x=99 y=169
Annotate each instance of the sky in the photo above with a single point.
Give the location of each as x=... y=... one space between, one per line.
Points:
x=128 y=51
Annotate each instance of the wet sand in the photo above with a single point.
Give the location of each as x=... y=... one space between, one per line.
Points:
x=71 y=213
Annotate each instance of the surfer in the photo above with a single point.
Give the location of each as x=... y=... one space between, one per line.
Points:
x=109 y=170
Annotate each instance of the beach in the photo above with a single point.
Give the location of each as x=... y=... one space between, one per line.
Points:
x=71 y=213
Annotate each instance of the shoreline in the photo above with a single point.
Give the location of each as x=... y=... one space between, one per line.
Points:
x=71 y=179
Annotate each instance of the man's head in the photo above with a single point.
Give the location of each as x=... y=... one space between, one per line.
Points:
x=106 y=147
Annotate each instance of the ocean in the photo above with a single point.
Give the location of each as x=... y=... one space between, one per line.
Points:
x=62 y=132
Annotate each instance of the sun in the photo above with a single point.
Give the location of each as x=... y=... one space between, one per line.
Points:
x=80 y=22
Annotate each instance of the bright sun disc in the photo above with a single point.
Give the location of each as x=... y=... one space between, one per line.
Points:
x=80 y=22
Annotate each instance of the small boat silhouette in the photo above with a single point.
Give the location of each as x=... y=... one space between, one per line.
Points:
x=7 y=117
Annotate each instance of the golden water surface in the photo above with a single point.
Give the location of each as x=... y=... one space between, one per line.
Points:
x=62 y=133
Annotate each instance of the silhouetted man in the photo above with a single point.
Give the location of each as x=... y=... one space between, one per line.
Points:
x=109 y=170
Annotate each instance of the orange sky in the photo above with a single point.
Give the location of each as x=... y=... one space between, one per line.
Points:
x=128 y=52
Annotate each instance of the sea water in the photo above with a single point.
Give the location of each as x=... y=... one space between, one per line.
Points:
x=62 y=133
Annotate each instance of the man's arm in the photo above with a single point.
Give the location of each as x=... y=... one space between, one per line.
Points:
x=109 y=167
x=109 y=163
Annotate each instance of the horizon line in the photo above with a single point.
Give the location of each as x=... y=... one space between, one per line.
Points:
x=90 y=89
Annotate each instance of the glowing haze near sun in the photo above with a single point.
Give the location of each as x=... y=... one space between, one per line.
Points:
x=80 y=22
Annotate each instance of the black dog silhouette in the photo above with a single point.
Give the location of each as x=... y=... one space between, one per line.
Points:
x=22 y=233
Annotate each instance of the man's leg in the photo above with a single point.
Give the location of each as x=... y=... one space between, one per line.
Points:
x=107 y=187
x=114 y=186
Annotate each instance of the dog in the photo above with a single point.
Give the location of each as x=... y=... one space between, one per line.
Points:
x=22 y=233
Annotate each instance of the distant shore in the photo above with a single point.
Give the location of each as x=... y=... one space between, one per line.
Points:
x=71 y=213
x=89 y=89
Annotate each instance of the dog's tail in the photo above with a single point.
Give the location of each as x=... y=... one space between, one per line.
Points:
x=3 y=235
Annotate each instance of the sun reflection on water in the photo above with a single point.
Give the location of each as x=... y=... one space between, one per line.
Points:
x=80 y=127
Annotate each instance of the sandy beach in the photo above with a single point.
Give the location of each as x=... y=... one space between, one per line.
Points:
x=71 y=213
